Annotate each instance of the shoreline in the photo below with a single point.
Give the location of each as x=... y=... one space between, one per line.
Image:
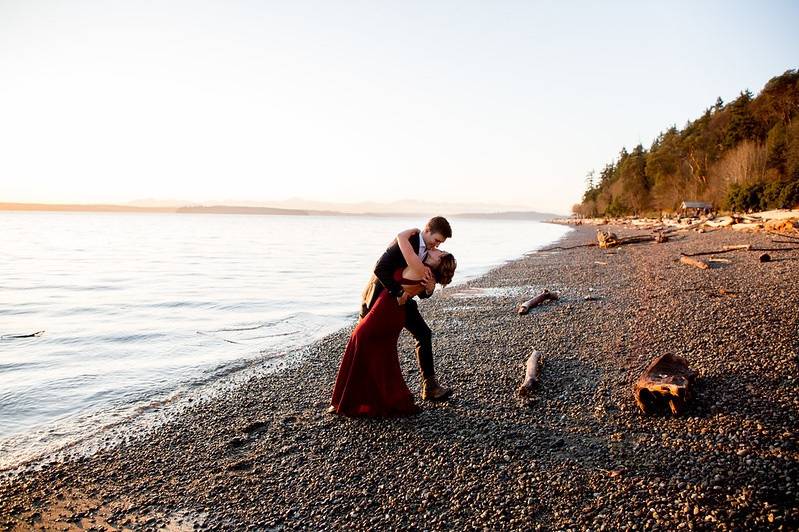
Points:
x=577 y=455
x=778 y=220
x=164 y=402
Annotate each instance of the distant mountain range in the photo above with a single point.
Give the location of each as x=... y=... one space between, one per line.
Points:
x=298 y=207
x=402 y=206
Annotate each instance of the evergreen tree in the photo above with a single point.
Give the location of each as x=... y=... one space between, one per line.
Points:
x=741 y=155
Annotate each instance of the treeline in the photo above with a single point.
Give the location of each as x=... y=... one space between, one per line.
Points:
x=741 y=156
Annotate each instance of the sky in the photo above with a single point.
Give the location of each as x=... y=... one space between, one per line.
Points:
x=500 y=102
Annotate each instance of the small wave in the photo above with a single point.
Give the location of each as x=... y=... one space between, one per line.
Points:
x=203 y=333
x=300 y=325
x=129 y=338
x=65 y=287
x=180 y=304
x=242 y=328
x=7 y=368
x=17 y=310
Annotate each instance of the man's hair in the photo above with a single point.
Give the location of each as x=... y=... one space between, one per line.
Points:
x=439 y=224
x=445 y=270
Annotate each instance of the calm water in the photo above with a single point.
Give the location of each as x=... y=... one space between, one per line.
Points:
x=136 y=308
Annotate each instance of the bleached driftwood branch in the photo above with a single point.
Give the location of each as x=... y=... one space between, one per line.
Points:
x=530 y=375
x=546 y=295
x=694 y=262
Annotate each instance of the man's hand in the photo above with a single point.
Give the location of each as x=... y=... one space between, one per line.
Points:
x=429 y=282
x=401 y=300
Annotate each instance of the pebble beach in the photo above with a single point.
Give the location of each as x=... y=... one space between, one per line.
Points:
x=576 y=455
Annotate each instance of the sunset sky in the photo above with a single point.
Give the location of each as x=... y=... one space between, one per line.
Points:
x=503 y=102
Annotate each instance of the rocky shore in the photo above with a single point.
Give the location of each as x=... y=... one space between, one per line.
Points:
x=578 y=455
x=777 y=220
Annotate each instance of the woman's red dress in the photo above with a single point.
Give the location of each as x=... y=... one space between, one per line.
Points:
x=369 y=381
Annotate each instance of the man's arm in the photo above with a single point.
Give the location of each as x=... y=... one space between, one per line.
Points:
x=387 y=265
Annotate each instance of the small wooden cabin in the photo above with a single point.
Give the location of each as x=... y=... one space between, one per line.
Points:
x=695 y=208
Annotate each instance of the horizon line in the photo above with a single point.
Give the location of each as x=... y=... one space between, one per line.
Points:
x=235 y=209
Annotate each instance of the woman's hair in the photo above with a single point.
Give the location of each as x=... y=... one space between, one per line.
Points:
x=446 y=269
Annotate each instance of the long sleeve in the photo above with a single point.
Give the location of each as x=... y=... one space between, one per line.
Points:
x=386 y=265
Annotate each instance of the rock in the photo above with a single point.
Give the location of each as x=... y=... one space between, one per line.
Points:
x=241 y=465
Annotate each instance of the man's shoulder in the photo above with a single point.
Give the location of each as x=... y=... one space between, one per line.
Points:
x=415 y=240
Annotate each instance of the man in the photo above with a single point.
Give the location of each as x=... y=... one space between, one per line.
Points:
x=434 y=234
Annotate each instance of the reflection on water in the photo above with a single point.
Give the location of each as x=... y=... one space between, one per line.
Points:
x=138 y=306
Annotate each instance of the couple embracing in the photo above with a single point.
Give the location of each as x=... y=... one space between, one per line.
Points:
x=369 y=380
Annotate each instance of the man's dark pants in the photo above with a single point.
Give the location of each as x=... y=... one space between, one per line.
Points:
x=421 y=333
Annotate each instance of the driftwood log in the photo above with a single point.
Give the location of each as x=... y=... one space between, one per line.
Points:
x=782 y=235
x=685 y=227
x=530 y=375
x=685 y=258
x=775 y=249
x=666 y=385
x=546 y=295
x=15 y=336
x=588 y=245
x=725 y=249
x=694 y=262
x=786 y=226
x=606 y=239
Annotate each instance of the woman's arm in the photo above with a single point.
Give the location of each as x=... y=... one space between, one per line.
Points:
x=408 y=253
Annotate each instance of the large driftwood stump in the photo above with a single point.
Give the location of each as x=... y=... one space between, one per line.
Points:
x=606 y=239
x=546 y=295
x=530 y=375
x=666 y=385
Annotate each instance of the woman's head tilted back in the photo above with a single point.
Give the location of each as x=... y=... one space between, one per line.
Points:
x=442 y=264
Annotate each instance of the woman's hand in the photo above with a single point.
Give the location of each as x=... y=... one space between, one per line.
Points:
x=429 y=281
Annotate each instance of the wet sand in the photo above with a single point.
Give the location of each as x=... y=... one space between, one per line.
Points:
x=578 y=455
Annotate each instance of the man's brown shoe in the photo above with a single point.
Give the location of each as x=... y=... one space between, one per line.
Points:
x=433 y=391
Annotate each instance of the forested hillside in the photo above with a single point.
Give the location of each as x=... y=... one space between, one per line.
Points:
x=742 y=155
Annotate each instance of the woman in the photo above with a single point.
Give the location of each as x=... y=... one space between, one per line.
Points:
x=369 y=380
